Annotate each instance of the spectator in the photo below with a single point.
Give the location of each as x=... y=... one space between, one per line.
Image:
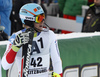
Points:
x=5 y=10
x=71 y=8
x=48 y=1
x=16 y=22
x=90 y=2
x=91 y=21
x=3 y=35
x=41 y=3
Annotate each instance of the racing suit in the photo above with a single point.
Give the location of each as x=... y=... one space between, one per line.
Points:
x=45 y=46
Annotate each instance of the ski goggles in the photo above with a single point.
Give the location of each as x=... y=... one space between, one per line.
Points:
x=39 y=18
x=36 y=18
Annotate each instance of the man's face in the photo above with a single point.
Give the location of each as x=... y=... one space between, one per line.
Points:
x=39 y=26
x=97 y=2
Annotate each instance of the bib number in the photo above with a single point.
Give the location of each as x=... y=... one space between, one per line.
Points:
x=37 y=62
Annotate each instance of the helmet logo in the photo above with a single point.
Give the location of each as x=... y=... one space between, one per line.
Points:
x=23 y=10
x=29 y=18
x=38 y=8
x=35 y=9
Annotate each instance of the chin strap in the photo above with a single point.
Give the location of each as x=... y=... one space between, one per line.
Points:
x=47 y=27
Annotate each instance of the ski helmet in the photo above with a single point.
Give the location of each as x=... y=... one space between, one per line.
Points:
x=31 y=12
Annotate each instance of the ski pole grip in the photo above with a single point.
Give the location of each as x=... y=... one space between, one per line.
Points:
x=31 y=30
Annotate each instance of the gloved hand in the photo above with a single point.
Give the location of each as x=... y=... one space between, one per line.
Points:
x=20 y=40
x=55 y=74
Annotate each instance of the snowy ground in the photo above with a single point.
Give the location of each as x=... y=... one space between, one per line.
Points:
x=67 y=36
x=76 y=35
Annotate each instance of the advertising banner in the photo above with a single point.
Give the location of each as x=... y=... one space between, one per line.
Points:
x=80 y=56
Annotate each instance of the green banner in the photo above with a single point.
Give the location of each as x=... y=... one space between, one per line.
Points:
x=80 y=53
x=2 y=50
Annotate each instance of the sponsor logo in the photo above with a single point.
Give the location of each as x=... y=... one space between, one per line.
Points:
x=35 y=10
x=87 y=70
x=38 y=8
x=29 y=18
x=37 y=70
x=27 y=61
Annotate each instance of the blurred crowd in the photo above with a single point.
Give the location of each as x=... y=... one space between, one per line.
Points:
x=9 y=12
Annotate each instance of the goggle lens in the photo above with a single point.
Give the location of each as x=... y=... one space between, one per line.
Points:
x=39 y=18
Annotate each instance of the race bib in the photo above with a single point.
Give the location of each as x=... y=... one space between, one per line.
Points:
x=39 y=64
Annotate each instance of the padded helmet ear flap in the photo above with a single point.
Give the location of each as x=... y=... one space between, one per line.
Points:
x=29 y=23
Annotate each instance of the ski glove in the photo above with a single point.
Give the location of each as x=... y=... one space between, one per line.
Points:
x=20 y=40
x=55 y=74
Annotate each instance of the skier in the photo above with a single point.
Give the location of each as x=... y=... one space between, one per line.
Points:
x=44 y=45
